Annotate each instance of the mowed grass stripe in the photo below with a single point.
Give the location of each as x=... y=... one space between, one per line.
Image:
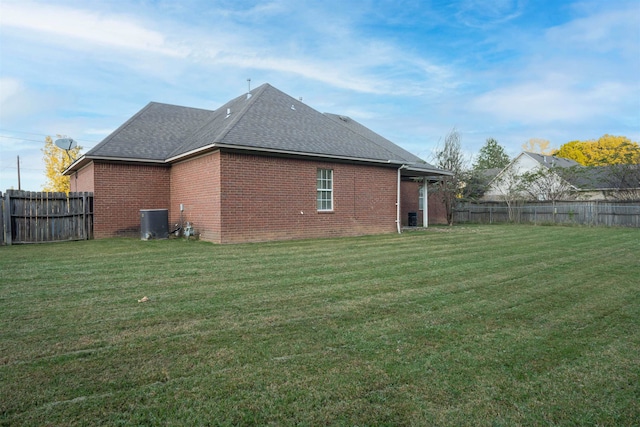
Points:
x=481 y=325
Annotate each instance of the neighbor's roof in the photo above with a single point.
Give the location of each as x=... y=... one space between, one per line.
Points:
x=552 y=161
x=620 y=177
x=265 y=119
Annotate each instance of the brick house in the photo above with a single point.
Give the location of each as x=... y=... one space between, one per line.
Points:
x=262 y=167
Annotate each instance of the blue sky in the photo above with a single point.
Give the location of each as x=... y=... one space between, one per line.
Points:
x=410 y=70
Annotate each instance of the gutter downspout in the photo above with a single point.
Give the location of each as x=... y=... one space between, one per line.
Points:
x=425 y=204
x=398 y=202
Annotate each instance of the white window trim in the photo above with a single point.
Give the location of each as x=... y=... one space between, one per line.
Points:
x=328 y=190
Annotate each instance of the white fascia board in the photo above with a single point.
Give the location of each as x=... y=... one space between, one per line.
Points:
x=82 y=161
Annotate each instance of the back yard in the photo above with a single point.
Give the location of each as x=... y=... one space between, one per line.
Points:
x=477 y=325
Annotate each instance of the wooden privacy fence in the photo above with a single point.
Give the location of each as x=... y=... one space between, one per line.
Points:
x=38 y=217
x=622 y=213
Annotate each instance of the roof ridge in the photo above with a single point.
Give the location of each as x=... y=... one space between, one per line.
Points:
x=217 y=113
x=236 y=118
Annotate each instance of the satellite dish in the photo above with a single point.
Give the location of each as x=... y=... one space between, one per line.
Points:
x=66 y=143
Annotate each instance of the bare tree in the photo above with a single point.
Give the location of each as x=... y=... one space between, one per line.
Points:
x=512 y=188
x=624 y=180
x=550 y=183
x=450 y=158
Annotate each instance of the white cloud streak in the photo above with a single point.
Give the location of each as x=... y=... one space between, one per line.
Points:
x=544 y=102
x=85 y=26
x=367 y=67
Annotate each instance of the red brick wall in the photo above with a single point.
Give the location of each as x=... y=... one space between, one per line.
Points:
x=83 y=179
x=120 y=191
x=409 y=202
x=437 y=211
x=196 y=185
x=230 y=197
x=268 y=198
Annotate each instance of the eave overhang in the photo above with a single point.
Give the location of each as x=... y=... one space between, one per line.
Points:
x=85 y=160
x=407 y=170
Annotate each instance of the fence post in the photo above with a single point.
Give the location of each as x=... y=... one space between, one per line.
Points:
x=1 y=219
x=85 y=225
x=7 y=218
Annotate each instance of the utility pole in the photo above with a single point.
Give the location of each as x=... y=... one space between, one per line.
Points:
x=19 y=188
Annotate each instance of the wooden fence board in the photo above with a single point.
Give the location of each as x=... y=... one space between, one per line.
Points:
x=619 y=213
x=38 y=217
x=2 y=238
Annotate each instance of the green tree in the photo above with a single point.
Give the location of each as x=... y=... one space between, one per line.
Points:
x=56 y=160
x=607 y=150
x=492 y=155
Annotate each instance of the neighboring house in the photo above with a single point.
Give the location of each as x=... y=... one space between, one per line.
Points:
x=546 y=178
x=615 y=182
x=264 y=166
x=532 y=176
x=477 y=182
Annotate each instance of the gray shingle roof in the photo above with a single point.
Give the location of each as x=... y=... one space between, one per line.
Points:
x=395 y=150
x=621 y=177
x=153 y=133
x=265 y=119
x=554 y=161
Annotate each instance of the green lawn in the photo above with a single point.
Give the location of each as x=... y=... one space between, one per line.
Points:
x=476 y=325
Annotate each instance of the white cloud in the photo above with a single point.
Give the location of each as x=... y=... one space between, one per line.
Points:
x=18 y=100
x=8 y=88
x=577 y=75
x=85 y=26
x=487 y=13
x=310 y=69
x=257 y=12
x=362 y=65
x=552 y=100
x=601 y=31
